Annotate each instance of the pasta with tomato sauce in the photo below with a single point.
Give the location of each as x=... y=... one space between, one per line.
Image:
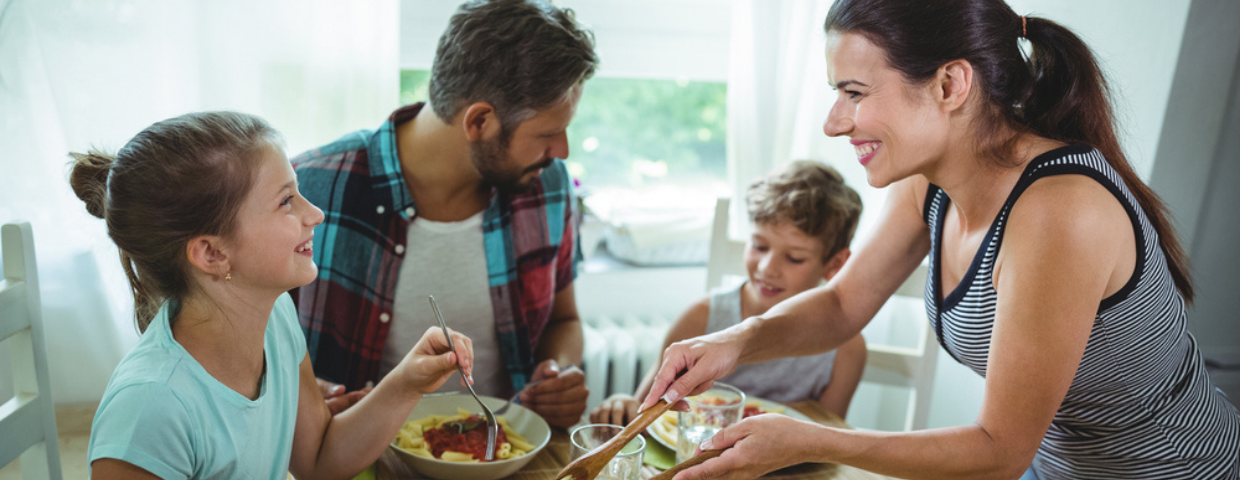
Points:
x=459 y=438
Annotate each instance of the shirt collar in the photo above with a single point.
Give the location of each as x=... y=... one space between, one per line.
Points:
x=385 y=170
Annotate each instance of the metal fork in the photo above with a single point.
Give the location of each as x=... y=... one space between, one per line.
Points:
x=492 y=426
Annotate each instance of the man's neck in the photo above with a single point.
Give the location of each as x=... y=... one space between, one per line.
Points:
x=435 y=163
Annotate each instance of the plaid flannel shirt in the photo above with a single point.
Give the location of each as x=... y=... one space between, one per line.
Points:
x=528 y=239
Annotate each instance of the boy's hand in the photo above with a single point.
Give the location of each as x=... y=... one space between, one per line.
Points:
x=430 y=363
x=618 y=409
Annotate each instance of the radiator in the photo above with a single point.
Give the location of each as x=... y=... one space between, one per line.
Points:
x=618 y=352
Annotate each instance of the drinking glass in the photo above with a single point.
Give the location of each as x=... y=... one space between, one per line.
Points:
x=708 y=413
x=626 y=465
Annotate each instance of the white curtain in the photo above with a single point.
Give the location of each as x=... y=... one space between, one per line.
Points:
x=778 y=99
x=76 y=74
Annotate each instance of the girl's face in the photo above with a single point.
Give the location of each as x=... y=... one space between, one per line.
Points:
x=782 y=261
x=895 y=128
x=271 y=247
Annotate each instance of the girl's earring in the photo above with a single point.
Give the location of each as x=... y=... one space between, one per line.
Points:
x=228 y=276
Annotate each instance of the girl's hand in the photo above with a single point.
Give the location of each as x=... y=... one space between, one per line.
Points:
x=755 y=446
x=430 y=363
x=691 y=366
x=618 y=409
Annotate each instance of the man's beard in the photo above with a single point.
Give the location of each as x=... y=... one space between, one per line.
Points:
x=490 y=158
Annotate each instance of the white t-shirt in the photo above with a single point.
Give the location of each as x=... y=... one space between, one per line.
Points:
x=449 y=263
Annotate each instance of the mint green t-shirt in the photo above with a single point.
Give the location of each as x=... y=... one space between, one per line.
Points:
x=165 y=414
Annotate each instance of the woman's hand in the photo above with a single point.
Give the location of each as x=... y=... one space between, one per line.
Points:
x=690 y=367
x=431 y=362
x=755 y=446
x=618 y=409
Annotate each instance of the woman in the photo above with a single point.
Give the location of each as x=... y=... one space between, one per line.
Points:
x=1053 y=269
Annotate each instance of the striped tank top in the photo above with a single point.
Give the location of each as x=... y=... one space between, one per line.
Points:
x=1141 y=405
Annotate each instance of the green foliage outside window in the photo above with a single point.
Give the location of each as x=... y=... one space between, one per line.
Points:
x=637 y=133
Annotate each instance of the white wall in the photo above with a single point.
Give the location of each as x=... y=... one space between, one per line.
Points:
x=1137 y=42
x=1196 y=173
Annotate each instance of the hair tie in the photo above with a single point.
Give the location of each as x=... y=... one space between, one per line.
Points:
x=1022 y=26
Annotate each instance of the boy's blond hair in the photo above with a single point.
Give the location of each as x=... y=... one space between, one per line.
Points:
x=811 y=196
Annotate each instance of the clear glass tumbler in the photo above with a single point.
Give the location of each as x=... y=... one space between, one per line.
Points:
x=627 y=465
x=708 y=413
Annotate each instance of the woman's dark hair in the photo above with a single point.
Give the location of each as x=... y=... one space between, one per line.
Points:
x=177 y=179
x=1058 y=92
x=521 y=56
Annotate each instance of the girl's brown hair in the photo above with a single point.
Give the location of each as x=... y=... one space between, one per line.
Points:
x=1058 y=92
x=811 y=196
x=177 y=179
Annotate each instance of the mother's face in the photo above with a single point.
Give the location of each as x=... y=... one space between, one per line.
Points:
x=896 y=128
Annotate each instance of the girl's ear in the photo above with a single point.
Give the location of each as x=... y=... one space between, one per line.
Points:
x=205 y=252
x=835 y=263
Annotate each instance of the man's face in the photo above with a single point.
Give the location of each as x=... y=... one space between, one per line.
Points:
x=531 y=147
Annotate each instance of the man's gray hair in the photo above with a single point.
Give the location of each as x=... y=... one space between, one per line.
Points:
x=521 y=56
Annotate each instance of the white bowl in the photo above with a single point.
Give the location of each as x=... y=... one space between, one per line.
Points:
x=523 y=420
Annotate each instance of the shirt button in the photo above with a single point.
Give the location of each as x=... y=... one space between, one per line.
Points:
x=379 y=209
x=384 y=317
x=410 y=211
x=400 y=249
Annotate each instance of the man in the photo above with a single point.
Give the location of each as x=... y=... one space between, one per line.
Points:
x=466 y=198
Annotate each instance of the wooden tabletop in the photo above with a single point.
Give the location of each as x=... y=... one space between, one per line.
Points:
x=552 y=458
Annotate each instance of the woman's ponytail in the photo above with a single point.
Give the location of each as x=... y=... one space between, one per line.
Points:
x=1069 y=101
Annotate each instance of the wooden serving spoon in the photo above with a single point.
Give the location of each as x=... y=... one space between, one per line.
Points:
x=588 y=466
x=699 y=458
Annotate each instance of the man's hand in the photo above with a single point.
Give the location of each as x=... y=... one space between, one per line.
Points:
x=337 y=400
x=560 y=398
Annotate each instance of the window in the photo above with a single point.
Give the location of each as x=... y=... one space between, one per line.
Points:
x=637 y=133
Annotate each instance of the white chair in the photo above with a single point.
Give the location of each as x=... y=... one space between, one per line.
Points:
x=912 y=368
x=28 y=420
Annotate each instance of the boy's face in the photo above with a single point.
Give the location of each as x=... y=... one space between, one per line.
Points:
x=782 y=261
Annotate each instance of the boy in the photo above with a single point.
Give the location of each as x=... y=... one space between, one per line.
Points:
x=804 y=218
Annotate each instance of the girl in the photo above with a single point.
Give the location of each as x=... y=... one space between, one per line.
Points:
x=212 y=232
x=1054 y=271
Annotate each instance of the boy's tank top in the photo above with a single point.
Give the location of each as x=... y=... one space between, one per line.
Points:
x=781 y=380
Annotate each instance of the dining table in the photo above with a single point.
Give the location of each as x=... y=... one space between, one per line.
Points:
x=556 y=455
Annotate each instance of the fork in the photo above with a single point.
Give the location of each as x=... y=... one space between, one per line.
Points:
x=504 y=409
x=492 y=426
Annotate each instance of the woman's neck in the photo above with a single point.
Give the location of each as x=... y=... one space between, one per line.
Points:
x=225 y=334
x=977 y=184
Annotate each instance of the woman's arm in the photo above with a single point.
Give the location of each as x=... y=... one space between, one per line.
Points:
x=1065 y=249
x=341 y=446
x=845 y=376
x=816 y=320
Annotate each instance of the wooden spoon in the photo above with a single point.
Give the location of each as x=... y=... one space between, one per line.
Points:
x=588 y=466
x=699 y=458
